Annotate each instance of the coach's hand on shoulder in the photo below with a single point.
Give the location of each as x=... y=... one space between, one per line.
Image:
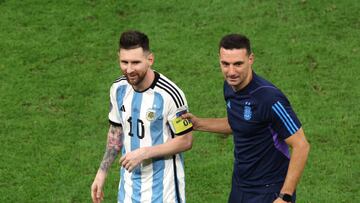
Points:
x=97 y=193
x=191 y=117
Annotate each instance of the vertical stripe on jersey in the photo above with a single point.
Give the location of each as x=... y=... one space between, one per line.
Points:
x=135 y=143
x=182 y=160
x=182 y=185
x=121 y=194
x=284 y=116
x=120 y=93
x=177 y=192
x=156 y=129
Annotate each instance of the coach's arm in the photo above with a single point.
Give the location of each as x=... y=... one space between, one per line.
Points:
x=214 y=125
x=300 y=150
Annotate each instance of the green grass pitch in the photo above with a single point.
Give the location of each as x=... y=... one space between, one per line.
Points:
x=58 y=60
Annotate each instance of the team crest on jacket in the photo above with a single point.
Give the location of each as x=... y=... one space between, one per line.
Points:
x=247 y=111
x=150 y=114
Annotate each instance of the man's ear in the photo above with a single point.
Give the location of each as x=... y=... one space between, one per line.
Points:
x=251 y=58
x=150 y=59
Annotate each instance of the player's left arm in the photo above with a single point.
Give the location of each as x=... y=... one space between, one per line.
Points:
x=173 y=146
x=300 y=150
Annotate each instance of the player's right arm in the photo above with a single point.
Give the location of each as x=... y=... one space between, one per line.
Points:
x=113 y=147
x=215 y=125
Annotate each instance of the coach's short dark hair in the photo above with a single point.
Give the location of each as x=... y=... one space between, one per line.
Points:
x=235 y=41
x=134 y=39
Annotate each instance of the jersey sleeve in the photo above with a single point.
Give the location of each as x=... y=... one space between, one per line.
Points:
x=114 y=116
x=283 y=118
x=176 y=107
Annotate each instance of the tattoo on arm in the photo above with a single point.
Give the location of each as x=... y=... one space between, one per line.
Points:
x=113 y=147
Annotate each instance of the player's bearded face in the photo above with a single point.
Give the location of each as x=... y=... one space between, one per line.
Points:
x=236 y=66
x=134 y=64
x=135 y=78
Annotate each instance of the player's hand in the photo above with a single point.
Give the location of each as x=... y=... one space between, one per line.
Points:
x=279 y=200
x=132 y=159
x=97 y=194
x=194 y=120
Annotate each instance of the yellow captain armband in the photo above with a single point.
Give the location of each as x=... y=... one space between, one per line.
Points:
x=179 y=125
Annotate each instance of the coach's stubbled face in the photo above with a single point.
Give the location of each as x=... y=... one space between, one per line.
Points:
x=236 y=67
x=134 y=64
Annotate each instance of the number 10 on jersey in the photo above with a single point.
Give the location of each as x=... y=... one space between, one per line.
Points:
x=139 y=126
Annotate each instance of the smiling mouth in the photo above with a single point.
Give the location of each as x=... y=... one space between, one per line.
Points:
x=131 y=76
x=232 y=78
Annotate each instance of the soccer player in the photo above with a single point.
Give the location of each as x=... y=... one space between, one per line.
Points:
x=263 y=125
x=146 y=126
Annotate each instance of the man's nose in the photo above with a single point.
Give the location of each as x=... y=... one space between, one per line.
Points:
x=231 y=69
x=129 y=68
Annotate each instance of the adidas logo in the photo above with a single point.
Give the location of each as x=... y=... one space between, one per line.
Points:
x=122 y=108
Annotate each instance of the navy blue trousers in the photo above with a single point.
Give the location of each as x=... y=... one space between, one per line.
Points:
x=239 y=196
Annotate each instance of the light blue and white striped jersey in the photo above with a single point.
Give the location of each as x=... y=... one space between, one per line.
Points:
x=144 y=117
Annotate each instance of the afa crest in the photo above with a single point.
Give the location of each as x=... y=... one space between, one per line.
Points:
x=247 y=111
x=150 y=115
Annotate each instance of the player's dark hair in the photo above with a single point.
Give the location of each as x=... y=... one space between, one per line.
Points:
x=235 y=41
x=133 y=39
